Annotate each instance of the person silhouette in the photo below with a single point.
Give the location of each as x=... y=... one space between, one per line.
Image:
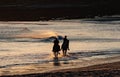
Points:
x=56 y=47
x=65 y=45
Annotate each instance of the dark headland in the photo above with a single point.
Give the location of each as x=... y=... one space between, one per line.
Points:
x=29 y=10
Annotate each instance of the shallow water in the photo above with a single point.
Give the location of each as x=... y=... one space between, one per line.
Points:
x=30 y=42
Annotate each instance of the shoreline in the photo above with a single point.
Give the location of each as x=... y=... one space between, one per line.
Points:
x=100 y=70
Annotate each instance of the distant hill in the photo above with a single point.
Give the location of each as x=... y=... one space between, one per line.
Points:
x=56 y=9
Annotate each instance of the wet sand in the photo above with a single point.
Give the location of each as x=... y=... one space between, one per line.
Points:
x=101 y=70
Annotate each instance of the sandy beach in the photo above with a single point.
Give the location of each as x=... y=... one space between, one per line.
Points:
x=101 y=70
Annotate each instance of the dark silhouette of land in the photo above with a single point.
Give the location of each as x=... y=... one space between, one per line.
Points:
x=56 y=9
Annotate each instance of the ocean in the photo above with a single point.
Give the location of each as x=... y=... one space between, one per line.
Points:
x=24 y=43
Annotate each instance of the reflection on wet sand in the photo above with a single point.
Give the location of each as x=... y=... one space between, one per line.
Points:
x=56 y=61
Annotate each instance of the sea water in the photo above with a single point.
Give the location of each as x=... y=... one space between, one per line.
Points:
x=31 y=42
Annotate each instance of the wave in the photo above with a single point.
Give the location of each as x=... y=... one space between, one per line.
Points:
x=60 y=37
x=10 y=32
x=112 y=20
x=48 y=39
x=88 y=39
x=27 y=35
x=83 y=54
